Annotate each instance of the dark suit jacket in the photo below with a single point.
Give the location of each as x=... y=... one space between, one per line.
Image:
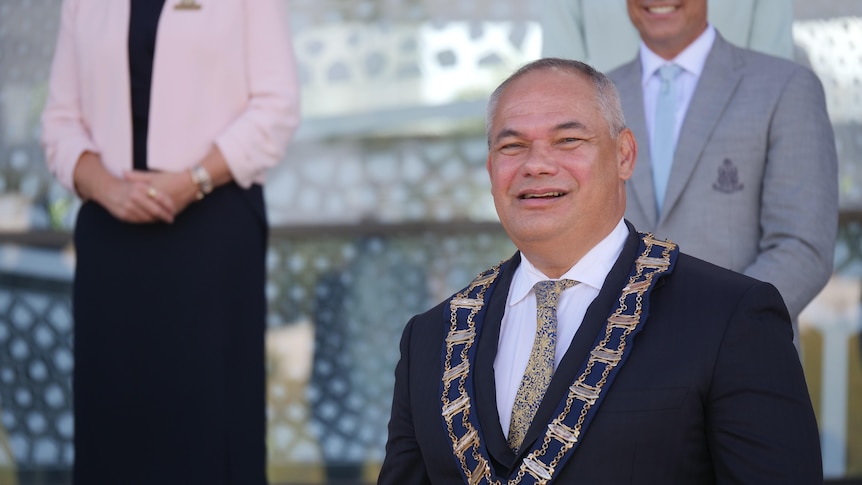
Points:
x=712 y=392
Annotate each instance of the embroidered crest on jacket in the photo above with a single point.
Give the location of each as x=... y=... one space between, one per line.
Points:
x=728 y=178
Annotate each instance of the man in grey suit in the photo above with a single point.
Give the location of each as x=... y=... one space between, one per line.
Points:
x=749 y=155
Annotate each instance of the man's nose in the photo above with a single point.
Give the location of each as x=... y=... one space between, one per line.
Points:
x=539 y=160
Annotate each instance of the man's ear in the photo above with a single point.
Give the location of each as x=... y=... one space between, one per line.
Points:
x=627 y=153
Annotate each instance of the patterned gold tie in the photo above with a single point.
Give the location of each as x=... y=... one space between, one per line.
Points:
x=540 y=367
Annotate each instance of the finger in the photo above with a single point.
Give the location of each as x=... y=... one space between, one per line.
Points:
x=134 y=214
x=126 y=203
x=162 y=198
x=159 y=205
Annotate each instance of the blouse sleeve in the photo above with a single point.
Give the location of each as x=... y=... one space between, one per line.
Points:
x=65 y=135
x=256 y=140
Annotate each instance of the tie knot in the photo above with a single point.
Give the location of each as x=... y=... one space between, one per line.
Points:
x=669 y=72
x=548 y=291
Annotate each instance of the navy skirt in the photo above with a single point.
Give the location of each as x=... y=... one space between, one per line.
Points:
x=169 y=384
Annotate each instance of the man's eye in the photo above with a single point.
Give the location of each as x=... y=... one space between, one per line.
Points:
x=511 y=147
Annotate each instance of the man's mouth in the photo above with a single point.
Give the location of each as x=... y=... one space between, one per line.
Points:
x=661 y=9
x=544 y=195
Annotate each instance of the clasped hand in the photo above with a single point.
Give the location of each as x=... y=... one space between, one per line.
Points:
x=146 y=197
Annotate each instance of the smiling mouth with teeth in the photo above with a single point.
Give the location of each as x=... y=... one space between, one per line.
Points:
x=542 y=196
x=662 y=9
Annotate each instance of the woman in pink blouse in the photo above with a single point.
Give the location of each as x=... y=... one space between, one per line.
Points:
x=163 y=115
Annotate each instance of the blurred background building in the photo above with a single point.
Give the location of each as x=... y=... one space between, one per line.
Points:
x=380 y=209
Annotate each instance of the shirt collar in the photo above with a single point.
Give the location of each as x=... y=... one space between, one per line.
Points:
x=691 y=59
x=591 y=270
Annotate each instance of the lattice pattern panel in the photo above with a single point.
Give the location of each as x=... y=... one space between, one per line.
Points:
x=357 y=294
x=386 y=180
x=36 y=370
x=833 y=49
x=404 y=64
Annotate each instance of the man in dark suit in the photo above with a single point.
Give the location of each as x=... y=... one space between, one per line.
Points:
x=663 y=368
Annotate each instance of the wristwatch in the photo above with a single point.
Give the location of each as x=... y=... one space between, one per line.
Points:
x=202 y=179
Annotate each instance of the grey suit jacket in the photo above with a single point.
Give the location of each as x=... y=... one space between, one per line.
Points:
x=754 y=183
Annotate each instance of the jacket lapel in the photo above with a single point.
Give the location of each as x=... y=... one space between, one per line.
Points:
x=717 y=83
x=484 y=381
x=628 y=81
x=584 y=340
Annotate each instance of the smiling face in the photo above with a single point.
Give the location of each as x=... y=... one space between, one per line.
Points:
x=557 y=174
x=668 y=26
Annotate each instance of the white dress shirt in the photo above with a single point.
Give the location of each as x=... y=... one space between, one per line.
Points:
x=518 y=327
x=691 y=60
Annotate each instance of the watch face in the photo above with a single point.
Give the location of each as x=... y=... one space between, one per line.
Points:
x=202 y=179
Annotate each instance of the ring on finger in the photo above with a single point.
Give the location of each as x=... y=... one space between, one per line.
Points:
x=152 y=192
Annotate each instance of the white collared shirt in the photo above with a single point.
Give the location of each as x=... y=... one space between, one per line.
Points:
x=518 y=327
x=691 y=60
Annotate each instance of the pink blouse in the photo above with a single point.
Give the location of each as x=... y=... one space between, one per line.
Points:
x=223 y=73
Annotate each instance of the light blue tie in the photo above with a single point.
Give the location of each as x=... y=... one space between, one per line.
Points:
x=663 y=140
